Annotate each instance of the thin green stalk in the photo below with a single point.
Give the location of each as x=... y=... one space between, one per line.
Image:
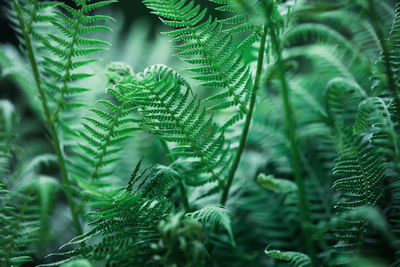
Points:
x=246 y=128
x=50 y=125
x=182 y=188
x=297 y=165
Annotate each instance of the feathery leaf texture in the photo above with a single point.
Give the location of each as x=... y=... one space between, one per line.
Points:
x=359 y=169
x=170 y=111
x=58 y=31
x=7 y=131
x=19 y=223
x=360 y=174
x=127 y=224
x=203 y=43
x=217 y=216
x=239 y=22
x=103 y=133
x=295 y=258
x=394 y=42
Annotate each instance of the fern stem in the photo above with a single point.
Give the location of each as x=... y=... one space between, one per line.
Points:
x=297 y=166
x=107 y=141
x=51 y=127
x=385 y=50
x=182 y=188
x=246 y=128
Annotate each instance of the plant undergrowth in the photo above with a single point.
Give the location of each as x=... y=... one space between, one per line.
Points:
x=271 y=138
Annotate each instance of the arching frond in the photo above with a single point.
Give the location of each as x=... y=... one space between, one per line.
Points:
x=58 y=32
x=19 y=225
x=204 y=45
x=295 y=258
x=103 y=133
x=217 y=216
x=170 y=111
x=239 y=22
x=127 y=224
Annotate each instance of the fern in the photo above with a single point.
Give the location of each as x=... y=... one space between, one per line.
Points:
x=359 y=170
x=359 y=166
x=176 y=116
x=58 y=68
x=127 y=226
x=29 y=13
x=126 y=222
x=19 y=226
x=295 y=258
x=67 y=49
x=204 y=45
x=240 y=22
x=217 y=216
x=323 y=89
x=102 y=133
x=180 y=243
x=7 y=131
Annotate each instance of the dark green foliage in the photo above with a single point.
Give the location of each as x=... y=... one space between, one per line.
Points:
x=290 y=138
x=19 y=224
x=7 y=132
x=126 y=221
x=180 y=243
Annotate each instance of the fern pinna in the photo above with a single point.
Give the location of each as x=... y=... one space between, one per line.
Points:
x=205 y=45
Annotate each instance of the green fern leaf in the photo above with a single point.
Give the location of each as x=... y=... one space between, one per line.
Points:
x=217 y=216
x=102 y=134
x=19 y=225
x=203 y=44
x=295 y=258
x=176 y=116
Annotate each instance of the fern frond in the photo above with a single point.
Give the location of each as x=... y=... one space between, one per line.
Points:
x=103 y=133
x=176 y=116
x=61 y=61
x=342 y=99
x=203 y=44
x=295 y=258
x=154 y=182
x=269 y=182
x=7 y=131
x=180 y=243
x=127 y=224
x=217 y=216
x=239 y=22
x=359 y=171
x=19 y=224
x=68 y=47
